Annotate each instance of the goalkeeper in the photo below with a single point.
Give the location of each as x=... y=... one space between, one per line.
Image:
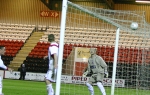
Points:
x=97 y=68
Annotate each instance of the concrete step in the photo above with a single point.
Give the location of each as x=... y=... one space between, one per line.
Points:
x=30 y=45
x=27 y=48
x=20 y=56
x=24 y=51
x=32 y=41
x=35 y=37
x=16 y=62
x=37 y=34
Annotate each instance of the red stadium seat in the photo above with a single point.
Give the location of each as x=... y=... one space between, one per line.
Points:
x=79 y=45
x=65 y=56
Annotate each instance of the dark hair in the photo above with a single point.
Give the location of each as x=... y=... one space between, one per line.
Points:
x=1 y=47
x=51 y=37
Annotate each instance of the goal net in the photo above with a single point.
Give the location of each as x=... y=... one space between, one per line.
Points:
x=89 y=27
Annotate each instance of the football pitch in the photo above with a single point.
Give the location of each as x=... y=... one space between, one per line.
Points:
x=23 y=87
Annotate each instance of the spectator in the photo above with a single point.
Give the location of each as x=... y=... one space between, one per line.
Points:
x=22 y=70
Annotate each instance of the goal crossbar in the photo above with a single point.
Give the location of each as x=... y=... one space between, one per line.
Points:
x=123 y=24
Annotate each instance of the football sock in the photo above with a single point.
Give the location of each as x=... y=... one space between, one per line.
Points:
x=50 y=89
x=90 y=88
x=101 y=87
x=55 y=75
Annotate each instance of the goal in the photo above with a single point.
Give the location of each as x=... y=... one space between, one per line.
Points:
x=126 y=51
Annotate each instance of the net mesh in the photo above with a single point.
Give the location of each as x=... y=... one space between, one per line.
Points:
x=89 y=27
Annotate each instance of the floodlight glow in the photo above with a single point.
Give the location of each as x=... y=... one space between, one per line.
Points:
x=143 y=1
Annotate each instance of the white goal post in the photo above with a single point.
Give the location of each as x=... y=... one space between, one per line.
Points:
x=85 y=25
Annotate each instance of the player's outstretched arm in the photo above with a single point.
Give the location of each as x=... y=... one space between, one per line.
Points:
x=85 y=73
x=106 y=74
x=10 y=70
x=45 y=57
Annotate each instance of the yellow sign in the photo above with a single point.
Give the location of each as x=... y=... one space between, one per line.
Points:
x=83 y=52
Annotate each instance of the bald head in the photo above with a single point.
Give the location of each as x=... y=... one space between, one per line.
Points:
x=93 y=51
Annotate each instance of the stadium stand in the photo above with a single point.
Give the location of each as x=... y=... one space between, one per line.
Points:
x=13 y=37
x=103 y=40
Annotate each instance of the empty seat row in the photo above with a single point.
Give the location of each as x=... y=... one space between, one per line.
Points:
x=128 y=55
x=15 y=34
x=12 y=47
x=11 y=43
x=8 y=31
x=16 y=25
x=103 y=37
x=3 y=30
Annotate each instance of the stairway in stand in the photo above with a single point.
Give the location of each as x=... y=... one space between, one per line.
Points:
x=26 y=49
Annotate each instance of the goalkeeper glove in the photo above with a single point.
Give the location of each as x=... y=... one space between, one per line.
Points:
x=85 y=74
x=106 y=74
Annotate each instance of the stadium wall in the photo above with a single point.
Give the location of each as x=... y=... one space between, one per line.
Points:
x=64 y=78
x=91 y=4
x=28 y=12
x=133 y=7
x=25 y=12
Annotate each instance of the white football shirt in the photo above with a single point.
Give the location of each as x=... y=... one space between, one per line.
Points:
x=53 y=49
x=2 y=64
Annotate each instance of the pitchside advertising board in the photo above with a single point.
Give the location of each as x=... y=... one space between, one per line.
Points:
x=64 y=78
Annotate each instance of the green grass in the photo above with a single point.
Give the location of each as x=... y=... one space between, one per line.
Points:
x=20 y=87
